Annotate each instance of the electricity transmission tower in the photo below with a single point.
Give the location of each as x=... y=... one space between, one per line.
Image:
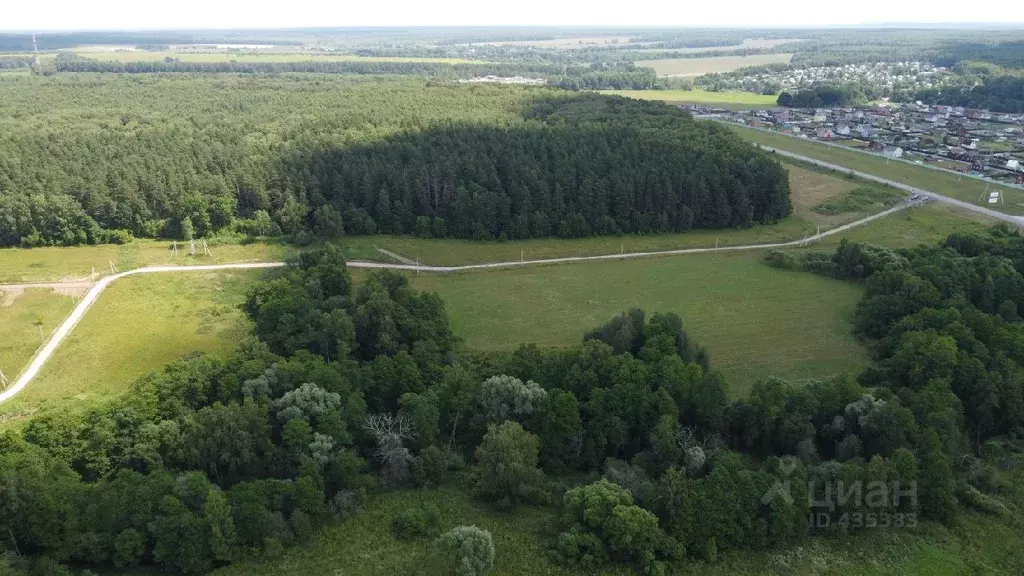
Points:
x=37 y=67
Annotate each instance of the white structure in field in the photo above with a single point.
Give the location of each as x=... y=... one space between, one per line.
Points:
x=993 y=197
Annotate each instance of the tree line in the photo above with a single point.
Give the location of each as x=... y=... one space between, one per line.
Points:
x=568 y=166
x=347 y=390
x=572 y=76
x=997 y=93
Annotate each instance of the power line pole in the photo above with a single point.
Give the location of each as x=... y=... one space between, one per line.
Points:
x=3 y=379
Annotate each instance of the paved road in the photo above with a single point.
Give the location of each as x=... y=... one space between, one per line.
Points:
x=1018 y=220
x=90 y=297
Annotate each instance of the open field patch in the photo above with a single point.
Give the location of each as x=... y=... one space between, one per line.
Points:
x=139 y=324
x=925 y=224
x=21 y=318
x=747 y=44
x=57 y=264
x=756 y=321
x=946 y=183
x=698 y=66
x=725 y=99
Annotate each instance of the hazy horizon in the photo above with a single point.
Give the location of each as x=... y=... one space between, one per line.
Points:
x=129 y=15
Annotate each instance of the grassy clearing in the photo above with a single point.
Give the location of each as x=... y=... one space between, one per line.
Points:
x=21 y=316
x=192 y=56
x=364 y=546
x=966 y=189
x=859 y=200
x=54 y=264
x=698 y=66
x=756 y=321
x=918 y=225
x=728 y=99
x=138 y=325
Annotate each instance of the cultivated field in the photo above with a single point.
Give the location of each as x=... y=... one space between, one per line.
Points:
x=724 y=99
x=698 y=66
x=193 y=56
x=749 y=43
x=966 y=189
x=139 y=324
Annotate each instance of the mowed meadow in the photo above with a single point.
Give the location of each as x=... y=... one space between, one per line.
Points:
x=756 y=321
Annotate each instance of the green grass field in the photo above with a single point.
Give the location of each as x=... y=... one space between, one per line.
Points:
x=727 y=99
x=54 y=264
x=225 y=56
x=966 y=189
x=21 y=316
x=755 y=320
x=364 y=546
x=698 y=66
x=139 y=324
x=918 y=225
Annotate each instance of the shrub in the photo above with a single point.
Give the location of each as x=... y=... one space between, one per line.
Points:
x=466 y=551
x=430 y=467
x=347 y=503
x=580 y=549
x=415 y=523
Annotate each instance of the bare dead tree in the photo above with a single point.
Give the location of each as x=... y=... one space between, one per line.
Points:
x=390 y=431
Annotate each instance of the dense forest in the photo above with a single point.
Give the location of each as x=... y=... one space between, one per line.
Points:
x=321 y=156
x=631 y=437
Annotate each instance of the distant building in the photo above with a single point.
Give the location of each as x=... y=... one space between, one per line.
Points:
x=1013 y=165
x=843 y=129
x=892 y=152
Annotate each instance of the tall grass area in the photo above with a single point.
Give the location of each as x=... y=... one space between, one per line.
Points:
x=365 y=546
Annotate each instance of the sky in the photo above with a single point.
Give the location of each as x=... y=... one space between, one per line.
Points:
x=195 y=14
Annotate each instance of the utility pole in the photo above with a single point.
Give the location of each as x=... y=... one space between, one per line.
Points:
x=174 y=247
x=113 y=267
x=3 y=379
